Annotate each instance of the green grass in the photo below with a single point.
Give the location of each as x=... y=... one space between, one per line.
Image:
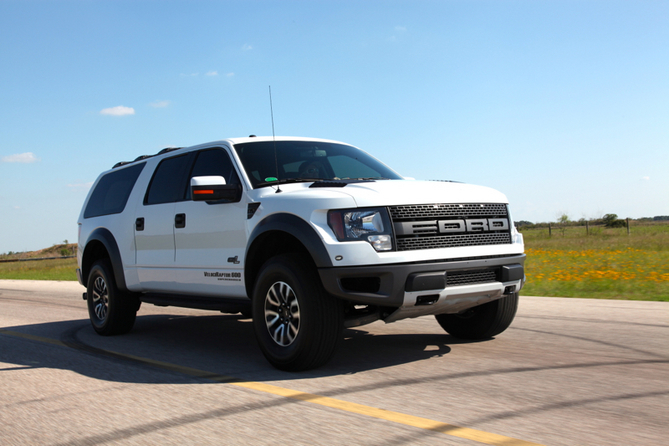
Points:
x=606 y=263
x=60 y=269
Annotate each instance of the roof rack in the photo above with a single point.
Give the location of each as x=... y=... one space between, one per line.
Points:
x=143 y=157
x=168 y=149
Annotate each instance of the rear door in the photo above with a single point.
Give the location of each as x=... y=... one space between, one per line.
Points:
x=155 y=222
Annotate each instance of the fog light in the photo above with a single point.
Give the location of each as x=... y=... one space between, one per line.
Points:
x=381 y=242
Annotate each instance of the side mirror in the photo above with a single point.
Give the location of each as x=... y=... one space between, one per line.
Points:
x=213 y=188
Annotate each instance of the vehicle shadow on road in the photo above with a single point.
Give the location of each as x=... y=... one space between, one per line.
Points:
x=221 y=345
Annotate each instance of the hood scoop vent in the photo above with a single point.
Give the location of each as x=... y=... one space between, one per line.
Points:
x=337 y=183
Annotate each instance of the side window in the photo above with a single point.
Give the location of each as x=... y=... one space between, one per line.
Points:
x=112 y=191
x=168 y=182
x=214 y=162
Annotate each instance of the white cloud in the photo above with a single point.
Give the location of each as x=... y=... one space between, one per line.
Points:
x=119 y=110
x=247 y=47
x=83 y=187
x=212 y=73
x=231 y=74
x=26 y=158
x=190 y=75
x=160 y=104
x=645 y=178
x=399 y=30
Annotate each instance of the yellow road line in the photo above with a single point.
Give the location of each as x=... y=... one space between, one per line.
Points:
x=360 y=409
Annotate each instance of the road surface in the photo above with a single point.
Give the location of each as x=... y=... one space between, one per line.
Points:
x=567 y=372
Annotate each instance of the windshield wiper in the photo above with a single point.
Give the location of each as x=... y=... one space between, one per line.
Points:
x=287 y=181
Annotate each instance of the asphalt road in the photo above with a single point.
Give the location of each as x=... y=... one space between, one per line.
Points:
x=567 y=372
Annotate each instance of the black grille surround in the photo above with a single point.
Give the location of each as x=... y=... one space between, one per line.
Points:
x=431 y=226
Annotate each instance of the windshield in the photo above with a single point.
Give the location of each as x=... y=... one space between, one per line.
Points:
x=308 y=161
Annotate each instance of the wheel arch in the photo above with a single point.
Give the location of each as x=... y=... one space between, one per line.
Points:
x=102 y=244
x=281 y=234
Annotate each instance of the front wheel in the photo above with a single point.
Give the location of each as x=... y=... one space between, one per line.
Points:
x=297 y=323
x=111 y=311
x=482 y=322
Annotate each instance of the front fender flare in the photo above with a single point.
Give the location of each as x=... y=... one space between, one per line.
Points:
x=299 y=229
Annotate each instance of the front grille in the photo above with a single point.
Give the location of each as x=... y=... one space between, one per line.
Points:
x=432 y=226
x=470 y=277
x=428 y=211
x=452 y=241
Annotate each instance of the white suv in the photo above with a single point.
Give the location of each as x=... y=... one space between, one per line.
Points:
x=307 y=236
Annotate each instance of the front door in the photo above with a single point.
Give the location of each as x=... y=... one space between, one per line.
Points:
x=211 y=244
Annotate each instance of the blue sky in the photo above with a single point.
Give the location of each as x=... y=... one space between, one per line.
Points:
x=562 y=105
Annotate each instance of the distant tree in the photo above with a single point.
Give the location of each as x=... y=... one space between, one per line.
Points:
x=563 y=220
x=661 y=218
x=608 y=219
x=612 y=221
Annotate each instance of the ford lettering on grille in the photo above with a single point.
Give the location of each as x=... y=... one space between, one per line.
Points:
x=451 y=226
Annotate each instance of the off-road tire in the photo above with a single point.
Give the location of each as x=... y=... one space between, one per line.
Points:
x=111 y=311
x=297 y=323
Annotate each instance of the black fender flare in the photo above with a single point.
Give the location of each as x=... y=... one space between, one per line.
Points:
x=299 y=229
x=289 y=224
x=105 y=237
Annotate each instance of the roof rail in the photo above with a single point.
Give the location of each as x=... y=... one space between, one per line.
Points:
x=168 y=149
x=143 y=157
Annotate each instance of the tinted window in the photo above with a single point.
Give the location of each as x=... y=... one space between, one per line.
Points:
x=308 y=160
x=168 y=182
x=112 y=191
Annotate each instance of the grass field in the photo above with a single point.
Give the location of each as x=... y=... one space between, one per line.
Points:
x=606 y=263
x=61 y=269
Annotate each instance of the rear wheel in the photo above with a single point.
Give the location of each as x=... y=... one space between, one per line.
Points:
x=111 y=311
x=297 y=323
x=482 y=322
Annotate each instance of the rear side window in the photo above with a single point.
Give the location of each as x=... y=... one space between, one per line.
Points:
x=169 y=181
x=112 y=192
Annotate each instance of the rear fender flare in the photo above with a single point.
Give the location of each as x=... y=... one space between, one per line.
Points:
x=105 y=237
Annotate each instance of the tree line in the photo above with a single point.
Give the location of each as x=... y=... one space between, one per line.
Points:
x=608 y=220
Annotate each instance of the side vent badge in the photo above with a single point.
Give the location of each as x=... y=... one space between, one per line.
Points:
x=251 y=210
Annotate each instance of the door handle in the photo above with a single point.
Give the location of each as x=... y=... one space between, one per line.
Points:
x=139 y=224
x=180 y=221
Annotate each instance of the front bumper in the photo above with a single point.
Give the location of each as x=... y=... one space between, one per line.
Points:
x=423 y=288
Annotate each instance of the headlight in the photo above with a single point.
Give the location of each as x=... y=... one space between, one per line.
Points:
x=370 y=225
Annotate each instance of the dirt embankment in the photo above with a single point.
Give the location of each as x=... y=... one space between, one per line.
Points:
x=60 y=250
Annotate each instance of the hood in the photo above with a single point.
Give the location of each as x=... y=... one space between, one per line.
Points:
x=377 y=193
x=399 y=192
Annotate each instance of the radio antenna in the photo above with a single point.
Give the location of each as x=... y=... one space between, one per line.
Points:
x=276 y=162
